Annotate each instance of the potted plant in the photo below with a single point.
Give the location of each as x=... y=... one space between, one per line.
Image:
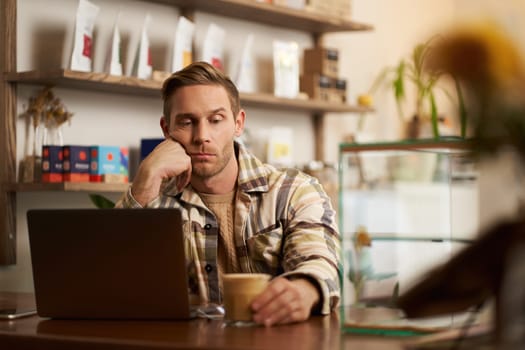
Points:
x=425 y=83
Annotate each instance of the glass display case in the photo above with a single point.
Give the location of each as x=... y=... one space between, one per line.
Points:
x=404 y=207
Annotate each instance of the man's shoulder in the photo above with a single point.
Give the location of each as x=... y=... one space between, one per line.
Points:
x=260 y=174
x=290 y=177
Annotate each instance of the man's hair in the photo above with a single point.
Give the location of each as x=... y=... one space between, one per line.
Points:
x=199 y=73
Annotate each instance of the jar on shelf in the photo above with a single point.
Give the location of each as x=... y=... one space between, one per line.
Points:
x=52 y=134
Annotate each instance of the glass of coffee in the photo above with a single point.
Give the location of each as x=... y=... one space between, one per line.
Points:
x=239 y=290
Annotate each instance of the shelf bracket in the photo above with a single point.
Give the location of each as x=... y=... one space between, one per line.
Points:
x=318 y=124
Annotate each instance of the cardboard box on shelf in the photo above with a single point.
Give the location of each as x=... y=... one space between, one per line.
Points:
x=52 y=169
x=317 y=86
x=321 y=87
x=104 y=160
x=148 y=145
x=124 y=164
x=76 y=163
x=340 y=90
x=324 y=61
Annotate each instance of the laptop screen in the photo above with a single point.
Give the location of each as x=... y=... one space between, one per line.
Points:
x=109 y=263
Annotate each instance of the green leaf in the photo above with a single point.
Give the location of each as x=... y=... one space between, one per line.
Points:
x=417 y=57
x=101 y=202
x=434 y=115
x=399 y=82
x=462 y=109
x=380 y=79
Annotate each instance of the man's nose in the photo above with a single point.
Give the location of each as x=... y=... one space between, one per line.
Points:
x=201 y=132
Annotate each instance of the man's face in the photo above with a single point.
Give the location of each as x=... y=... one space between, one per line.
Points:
x=202 y=121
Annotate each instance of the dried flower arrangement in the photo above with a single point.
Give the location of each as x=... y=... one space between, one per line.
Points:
x=45 y=112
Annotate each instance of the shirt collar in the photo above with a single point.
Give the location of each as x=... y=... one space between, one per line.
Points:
x=253 y=175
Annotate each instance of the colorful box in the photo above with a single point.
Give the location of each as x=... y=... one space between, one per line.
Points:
x=104 y=160
x=124 y=164
x=76 y=163
x=52 y=169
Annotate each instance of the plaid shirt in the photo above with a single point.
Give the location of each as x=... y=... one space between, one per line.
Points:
x=284 y=225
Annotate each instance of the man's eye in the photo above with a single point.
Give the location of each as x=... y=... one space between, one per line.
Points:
x=216 y=119
x=184 y=122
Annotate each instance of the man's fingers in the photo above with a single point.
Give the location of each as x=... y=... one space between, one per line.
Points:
x=285 y=301
x=275 y=288
x=282 y=311
x=277 y=304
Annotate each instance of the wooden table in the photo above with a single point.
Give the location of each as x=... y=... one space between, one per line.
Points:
x=38 y=333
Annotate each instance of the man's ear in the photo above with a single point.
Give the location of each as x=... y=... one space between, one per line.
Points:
x=164 y=126
x=239 y=122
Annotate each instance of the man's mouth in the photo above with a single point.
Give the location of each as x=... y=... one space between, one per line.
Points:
x=201 y=156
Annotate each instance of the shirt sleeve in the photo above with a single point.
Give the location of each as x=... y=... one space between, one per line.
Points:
x=128 y=201
x=312 y=242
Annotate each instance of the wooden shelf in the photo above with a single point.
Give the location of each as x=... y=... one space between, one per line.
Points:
x=68 y=187
x=271 y=14
x=91 y=81
x=131 y=85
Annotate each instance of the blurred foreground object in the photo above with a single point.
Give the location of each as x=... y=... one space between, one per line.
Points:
x=492 y=73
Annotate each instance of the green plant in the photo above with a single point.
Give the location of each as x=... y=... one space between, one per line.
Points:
x=425 y=82
x=491 y=69
x=101 y=202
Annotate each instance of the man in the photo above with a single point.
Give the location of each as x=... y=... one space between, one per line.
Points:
x=239 y=214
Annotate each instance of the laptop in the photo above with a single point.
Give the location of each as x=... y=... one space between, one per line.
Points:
x=109 y=263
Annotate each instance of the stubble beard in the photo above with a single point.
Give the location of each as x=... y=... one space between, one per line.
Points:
x=205 y=170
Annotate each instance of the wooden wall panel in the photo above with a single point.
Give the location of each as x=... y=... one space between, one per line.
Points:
x=7 y=133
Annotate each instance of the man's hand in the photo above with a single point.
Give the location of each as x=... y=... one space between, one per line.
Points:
x=167 y=160
x=285 y=301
